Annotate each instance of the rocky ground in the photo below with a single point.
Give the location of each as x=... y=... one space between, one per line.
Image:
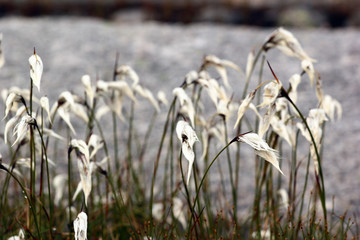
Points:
x=162 y=55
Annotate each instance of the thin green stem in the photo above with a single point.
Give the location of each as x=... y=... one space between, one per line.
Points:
x=322 y=187
x=48 y=176
x=233 y=189
x=203 y=179
x=156 y=164
x=31 y=206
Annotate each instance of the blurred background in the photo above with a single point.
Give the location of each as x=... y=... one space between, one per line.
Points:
x=298 y=13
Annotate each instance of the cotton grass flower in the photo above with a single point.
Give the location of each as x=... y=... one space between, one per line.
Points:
x=147 y=94
x=12 y=122
x=264 y=235
x=284 y=198
x=331 y=107
x=83 y=160
x=20 y=236
x=161 y=96
x=44 y=103
x=11 y=98
x=266 y=120
x=285 y=41
x=186 y=105
x=126 y=70
x=294 y=83
x=90 y=92
x=220 y=65
x=315 y=119
x=244 y=106
x=21 y=128
x=80 y=226
x=308 y=67
x=59 y=183
x=261 y=148
x=188 y=137
x=271 y=93
x=36 y=69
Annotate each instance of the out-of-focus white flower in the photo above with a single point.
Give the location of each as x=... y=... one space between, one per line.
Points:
x=95 y=143
x=249 y=64
x=102 y=86
x=271 y=92
x=162 y=98
x=314 y=120
x=188 y=137
x=90 y=93
x=21 y=128
x=264 y=235
x=244 y=106
x=123 y=87
x=11 y=98
x=24 y=92
x=79 y=110
x=331 y=106
x=178 y=211
x=51 y=133
x=36 y=69
x=220 y=65
x=66 y=97
x=286 y=42
x=83 y=160
x=11 y=123
x=44 y=103
x=286 y=131
x=308 y=67
x=264 y=123
x=186 y=104
x=261 y=148
x=93 y=165
x=20 y=236
x=80 y=226
x=65 y=115
x=284 y=199
x=2 y=59
x=59 y=183
x=294 y=82
x=191 y=76
x=146 y=93
x=157 y=210
x=125 y=70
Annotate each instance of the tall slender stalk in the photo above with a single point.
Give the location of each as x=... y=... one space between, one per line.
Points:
x=202 y=182
x=47 y=174
x=322 y=186
x=233 y=189
x=156 y=164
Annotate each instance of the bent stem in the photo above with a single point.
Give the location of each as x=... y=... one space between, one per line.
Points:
x=322 y=187
x=203 y=179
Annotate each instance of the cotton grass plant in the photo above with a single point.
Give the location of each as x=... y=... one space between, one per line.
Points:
x=100 y=185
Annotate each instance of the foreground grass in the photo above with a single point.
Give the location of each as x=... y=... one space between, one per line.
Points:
x=58 y=185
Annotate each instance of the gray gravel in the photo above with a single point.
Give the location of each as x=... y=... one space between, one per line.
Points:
x=162 y=55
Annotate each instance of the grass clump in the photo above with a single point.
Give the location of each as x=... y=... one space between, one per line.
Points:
x=94 y=180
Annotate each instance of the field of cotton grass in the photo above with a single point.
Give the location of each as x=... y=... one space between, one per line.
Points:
x=91 y=181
